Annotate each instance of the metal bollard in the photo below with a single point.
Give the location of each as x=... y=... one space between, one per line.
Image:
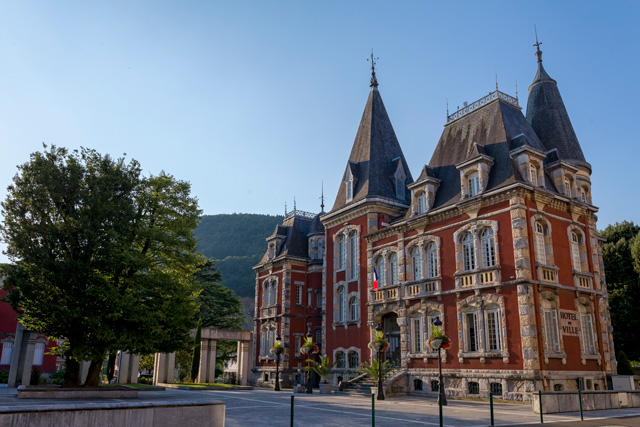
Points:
x=373 y=410
x=292 y=410
x=540 y=402
x=580 y=401
x=491 y=407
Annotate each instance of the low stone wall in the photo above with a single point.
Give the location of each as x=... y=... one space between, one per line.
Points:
x=117 y=392
x=568 y=401
x=122 y=414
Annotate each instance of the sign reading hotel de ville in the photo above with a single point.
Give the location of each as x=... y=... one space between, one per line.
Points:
x=569 y=323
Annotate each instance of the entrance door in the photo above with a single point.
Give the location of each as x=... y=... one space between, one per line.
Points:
x=392 y=335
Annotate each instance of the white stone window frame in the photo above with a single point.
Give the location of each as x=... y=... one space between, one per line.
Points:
x=394 y=268
x=480 y=303
x=552 y=303
x=268 y=332
x=349 y=182
x=416 y=326
x=584 y=306
x=270 y=292
x=349 y=351
x=473 y=183
x=421 y=202
x=353 y=302
x=299 y=294
x=336 y=352
x=567 y=184
x=399 y=181
x=476 y=228
x=488 y=247
x=345 y=232
x=427 y=310
x=340 y=312
x=581 y=247
x=422 y=244
x=548 y=242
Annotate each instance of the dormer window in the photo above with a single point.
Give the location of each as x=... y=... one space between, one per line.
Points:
x=567 y=187
x=422 y=203
x=533 y=174
x=349 y=190
x=474 y=184
x=272 y=250
x=399 y=188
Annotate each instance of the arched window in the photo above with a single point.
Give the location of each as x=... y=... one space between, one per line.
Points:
x=380 y=271
x=266 y=294
x=551 y=333
x=575 y=251
x=416 y=262
x=353 y=255
x=583 y=195
x=533 y=174
x=468 y=253
x=488 y=248
x=274 y=293
x=470 y=322
x=340 y=359
x=416 y=334
x=393 y=268
x=342 y=252
x=586 y=330
x=567 y=187
x=432 y=261
x=353 y=309
x=541 y=253
x=494 y=335
x=474 y=184
x=354 y=360
x=349 y=190
x=342 y=309
x=422 y=203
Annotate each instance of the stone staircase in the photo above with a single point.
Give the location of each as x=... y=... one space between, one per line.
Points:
x=361 y=386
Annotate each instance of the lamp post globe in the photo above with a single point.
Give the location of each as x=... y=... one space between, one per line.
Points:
x=379 y=329
x=442 y=399
x=278 y=343
x=309 y=385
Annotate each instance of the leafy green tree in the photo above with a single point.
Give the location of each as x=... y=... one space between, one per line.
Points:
x=623 y=284
x=624 y=366
x=102 y=257
x=147 y=362
x=219 y=307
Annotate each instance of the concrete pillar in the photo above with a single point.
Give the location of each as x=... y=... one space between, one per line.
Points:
x=15 y=357
x=203 y=371
x=28 y=345
x=123 y=367
x=164 y=368
x=244 y=362
x=128 y=369
x=84 y=370
x=213 y=347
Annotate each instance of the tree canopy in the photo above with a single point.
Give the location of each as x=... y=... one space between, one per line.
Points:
x=621 y=256
x=219 y=307
x=102 y=256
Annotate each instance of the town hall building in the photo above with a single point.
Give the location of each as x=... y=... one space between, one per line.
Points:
x=496 y=238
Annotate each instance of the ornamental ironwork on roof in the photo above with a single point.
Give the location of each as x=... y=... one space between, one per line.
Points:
x=493 y=96
x=300 y=214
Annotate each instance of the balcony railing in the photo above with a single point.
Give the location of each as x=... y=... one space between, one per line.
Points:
x=485 y=277
x=582 y=280
x=269 y=311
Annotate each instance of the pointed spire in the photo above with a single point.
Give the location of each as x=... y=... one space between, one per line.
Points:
x=374 y=80
x=537 y=45
x=285 y=209
x=294 y=203
x=496 y=80
x=322 y=198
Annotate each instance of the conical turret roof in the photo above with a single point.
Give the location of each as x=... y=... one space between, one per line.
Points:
x=376 y=157
x=549 y=119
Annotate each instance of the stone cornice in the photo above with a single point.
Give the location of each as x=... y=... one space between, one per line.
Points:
x=361 y=208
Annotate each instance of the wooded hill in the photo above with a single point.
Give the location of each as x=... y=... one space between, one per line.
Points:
x=236 y=242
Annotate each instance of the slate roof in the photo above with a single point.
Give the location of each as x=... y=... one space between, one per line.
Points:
x=490 y=130
x=549 y=119
x=316 y=226
x=295 y=244
x=374 y=156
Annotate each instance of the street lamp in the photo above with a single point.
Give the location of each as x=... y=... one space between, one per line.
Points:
x=442 y=399
x=309 y=385
x=380 y=350
x=278 y=351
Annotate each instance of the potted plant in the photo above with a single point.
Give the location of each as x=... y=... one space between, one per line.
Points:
x=323 y=369
x=375 y=370
x=438 y=339
x=277 y=349
x=309 y=347
x=378 y=343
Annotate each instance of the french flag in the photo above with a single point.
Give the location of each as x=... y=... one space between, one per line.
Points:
x=375 y=279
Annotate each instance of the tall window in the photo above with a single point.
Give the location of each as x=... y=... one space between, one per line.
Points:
x=354 y=360
x=353 y=255
x=416 y=262
x=353 y=309
x=350 y=190
x=274 y=293
x=340 y=359
x=298 y=294
x=468 y=256
x=266 y=294
x=432 y=260
x=494 y=337
x=380 y=271
x=471 y=329
x=541 y=253
x=551 y=335
x=393 y=268
x=342 y=252
x=474 y=184
x=567 y=187
x=399 y=187
x=319 y=300
x=583 y=195
x=342 y=309
x=533 y=174
x=586 y=332
x=297 y=343
x=422 y=203
x=575 y=251
x=488 y=248
x=416 y=334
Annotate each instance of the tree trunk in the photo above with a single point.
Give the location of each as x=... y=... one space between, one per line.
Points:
x=93 y=377
x=111 y=365
x=72 y=374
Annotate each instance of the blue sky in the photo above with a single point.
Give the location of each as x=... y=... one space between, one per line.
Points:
x=258 y=102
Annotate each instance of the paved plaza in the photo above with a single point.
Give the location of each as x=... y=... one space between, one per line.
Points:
x=264 y=407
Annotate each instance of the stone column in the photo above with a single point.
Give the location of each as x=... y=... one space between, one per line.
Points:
x=15 y=357
x=203 y=371
x=84 y=370
x=244 y=362
x=28 y=347
x=123 y=367
x=211 y=378
x=128 y=370
x=163 y=368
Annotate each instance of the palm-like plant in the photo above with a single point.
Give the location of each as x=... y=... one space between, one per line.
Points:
x=322 y=368
x=375 y=370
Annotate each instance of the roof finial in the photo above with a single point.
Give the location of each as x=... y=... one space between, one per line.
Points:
x=496 y=81
x=447 y=109
x=374 y=80
x=294 y=203
x=322 y=198
x=516 y=90
x=285 y=209
x=537 y=45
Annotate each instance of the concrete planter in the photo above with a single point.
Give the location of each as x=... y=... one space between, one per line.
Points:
x=326 y=388
x=36 y=392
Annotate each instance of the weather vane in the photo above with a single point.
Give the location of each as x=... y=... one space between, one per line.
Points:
x=537 y=45
x=374 y=80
